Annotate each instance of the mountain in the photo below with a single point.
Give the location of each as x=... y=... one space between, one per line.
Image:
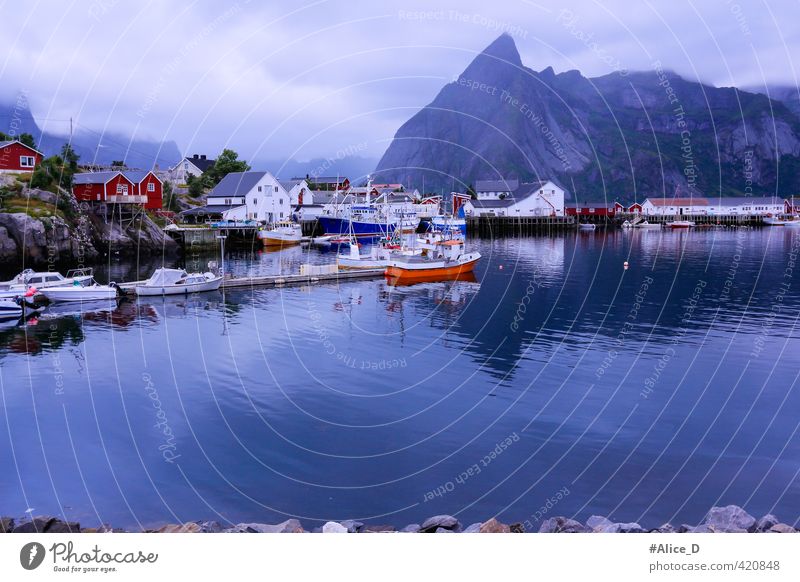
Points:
x=355 y=168
x=620 y=136
x=16 y=119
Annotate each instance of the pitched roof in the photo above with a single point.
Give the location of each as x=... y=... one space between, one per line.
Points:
x=236 y=184
x=693 y=201
x=289 y=184
x=209 y=209
x=591 y=204
x=741 y=200
x=496 y=185
x=201 y=164
x=13 y=141
x=137 y=176
x=95 y=177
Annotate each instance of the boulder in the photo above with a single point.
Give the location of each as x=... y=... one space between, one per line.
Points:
x=378 y=529
x=705 y=528
x=210 y=527
x=517 y=528
x=474 y=528
x=333 y=527
x=621 y=528
x=766 y=522
x=9 y=252
x=412 y=528
x=665 y=528
x=352 y=526
x=443 y=530
x=782 y=528
x=35 y=525
x=6 y=524
x=445 y=521
x=730 y=518
x=494 y=526
x=561 y=524
x=189 y=527
x=598 y=522
x=288 y=526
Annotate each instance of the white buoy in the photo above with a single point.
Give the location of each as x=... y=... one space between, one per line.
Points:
x=625 y=265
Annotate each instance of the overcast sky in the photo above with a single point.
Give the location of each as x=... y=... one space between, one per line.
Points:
x=301 y=79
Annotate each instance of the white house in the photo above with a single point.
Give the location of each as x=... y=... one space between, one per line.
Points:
x=194 y=166
x=511 y=198
x=249 y=196
x=299 y=192
x=700 y=206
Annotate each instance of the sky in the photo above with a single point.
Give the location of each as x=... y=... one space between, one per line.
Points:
x=334 y=78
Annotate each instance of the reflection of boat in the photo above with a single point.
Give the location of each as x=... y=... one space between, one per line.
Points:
x=468 y=277
x=83 y=290
x=586 y=226
x=41 y=280
x=448 y=259
x=680 y=224
x=85 y=308
x=178 y=282
x=282 y=234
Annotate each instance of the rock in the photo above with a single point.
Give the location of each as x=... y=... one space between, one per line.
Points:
x=333 y=527
x=494 y=526
x=620 y=528
x=685 y=528
x=288 y=526
x=665 y=528
x=782 y=528
x=188 y=527
x=6 y=524
x=730 y=518
x=443 y=530
x=766 y=522
x=517 y=528
x=9 y=252
x=561 y=525
x=474 y=528
x=378 y=529
x=352 y=526
x=598 y=522
x=58 y=526
x=445 y=521
x=210 y=527
x=412 y=528
x=35 y=525
x=705 y=528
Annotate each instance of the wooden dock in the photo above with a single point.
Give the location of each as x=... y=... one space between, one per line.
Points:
x=491 y=226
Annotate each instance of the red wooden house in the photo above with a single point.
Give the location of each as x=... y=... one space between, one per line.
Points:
x=590 y=209
x=129 y=187
x=635 y=208
x=16 y=157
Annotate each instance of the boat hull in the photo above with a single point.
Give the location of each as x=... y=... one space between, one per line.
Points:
x=431 y=271
x=151 y=291
x=362 y=228
x=278 y=241
x=78 y=293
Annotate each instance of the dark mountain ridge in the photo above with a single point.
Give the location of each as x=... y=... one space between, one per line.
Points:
x=620 y=136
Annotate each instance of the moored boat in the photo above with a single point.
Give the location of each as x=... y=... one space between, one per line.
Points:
x=680 y=224
x=178 y=282
x=770 y=220
x=646 y=224
x=84 y=290
x=448 y=259
x=41 y=280
x=282 y=234
x=587 y=226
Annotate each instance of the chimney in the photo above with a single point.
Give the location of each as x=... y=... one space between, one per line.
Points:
x=203 y=157
x=195 y=157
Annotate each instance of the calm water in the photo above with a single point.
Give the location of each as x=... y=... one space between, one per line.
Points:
x=648 y=395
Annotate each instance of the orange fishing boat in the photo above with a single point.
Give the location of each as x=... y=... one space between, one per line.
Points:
x=446 y=260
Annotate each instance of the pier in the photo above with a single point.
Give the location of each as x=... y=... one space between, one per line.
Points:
x=512 y=225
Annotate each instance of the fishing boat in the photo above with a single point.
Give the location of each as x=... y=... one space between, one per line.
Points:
x=178 y=282
x=449 y=258
x=680 y=224
x=283 y=234
x=83 y=290
x=449 y=224
x=42 y=279
x=587 y=226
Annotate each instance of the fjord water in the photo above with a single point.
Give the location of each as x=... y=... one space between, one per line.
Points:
x=557 y=383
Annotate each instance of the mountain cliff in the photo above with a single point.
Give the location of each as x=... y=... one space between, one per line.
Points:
x=620 y=136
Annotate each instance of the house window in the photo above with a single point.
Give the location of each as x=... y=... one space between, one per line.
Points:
x=259 y=188
x=122 y=189
x=280 y=200
x=591 y=210
x=151 y=187
x=27 y=161
x=255 y=200
x=276 y=188
x=228 y=201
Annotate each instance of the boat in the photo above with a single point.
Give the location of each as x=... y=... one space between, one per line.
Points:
x=448 y=225
x=449 y=258
x=83 y=290
x=42 y=279
x=586 y=226
x=376 y=258
x=770 y=220
x=283 y=234
x=680 y=224
x=646 y=224
x=11 y=309
x=178 y=282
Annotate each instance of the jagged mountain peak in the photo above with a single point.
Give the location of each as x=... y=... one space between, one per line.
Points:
x=503 y=49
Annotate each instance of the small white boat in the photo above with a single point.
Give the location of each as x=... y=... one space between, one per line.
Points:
x=586 y=226
x=282 y=234
x=376 y=258
x=178 y=282
x=775 y=221
x=627 y=224
x=680 y=224
x=646 y=224
x=10 y=309
x=83 y=290
x=42 y=279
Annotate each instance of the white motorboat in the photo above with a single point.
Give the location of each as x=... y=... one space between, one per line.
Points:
x=646 y=224
x=680 y=224
x=10 y=309
x=282 y=234
x=587 y=226
x=775 y=221
x=42 y=279
x=376 y=258
x=83 y=290
x=178 y=282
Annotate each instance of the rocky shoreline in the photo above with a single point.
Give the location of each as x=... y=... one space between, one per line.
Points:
x=727 y=519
